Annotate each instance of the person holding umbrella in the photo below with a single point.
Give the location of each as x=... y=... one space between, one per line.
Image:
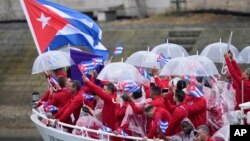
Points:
x=240 y=80
x=108 y=95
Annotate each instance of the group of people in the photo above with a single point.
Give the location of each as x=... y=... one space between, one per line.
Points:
x=168 y=108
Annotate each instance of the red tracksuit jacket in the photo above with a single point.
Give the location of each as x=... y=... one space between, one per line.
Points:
x=120 y=113
x=108 y=111
x=157 y=102
x=178 y=115
x=160 y=114
x=236 y=74
x=197 y=110
x=161 y=83
x=60 y=98
x=73 y=106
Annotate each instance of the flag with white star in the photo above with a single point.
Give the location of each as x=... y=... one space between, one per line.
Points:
x=53 y=26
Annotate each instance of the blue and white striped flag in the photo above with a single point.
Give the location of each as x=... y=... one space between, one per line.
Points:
x=194 y=90
x=88 y=96
x=50 y=108
x=163 y=126
x=118 y=50
x=121 y=132
x=86 y=66
x=97 y=61
x=129 y=86
x=162 y=59
x=144 y=73
x=53 y=26
x=106 y=129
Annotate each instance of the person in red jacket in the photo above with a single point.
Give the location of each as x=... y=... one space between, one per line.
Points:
x=197 y=110
x=160 y=116
x=238 y=78
x=134 y=124
x=71 y=111
x=49 y=94
x=157 y=100
x=178 y=115
x=196 y=104
x=162 y=83
x=169 y=98
x=108 y=95
x=59 y=73
x=202 y=134
x=61 y=97
x=121 y=109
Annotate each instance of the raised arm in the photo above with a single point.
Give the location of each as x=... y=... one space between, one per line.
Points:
x=97 y=90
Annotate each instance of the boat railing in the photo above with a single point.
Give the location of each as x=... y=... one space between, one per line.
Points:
x=85 y=130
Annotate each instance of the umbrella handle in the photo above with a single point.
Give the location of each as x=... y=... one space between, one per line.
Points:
x=223 y=71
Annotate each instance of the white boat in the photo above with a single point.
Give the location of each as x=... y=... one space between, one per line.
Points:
x=54 y=134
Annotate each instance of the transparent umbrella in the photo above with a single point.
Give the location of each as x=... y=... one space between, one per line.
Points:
x=184 y=66
x=222 y=134
x=144 y=59
x=170 y=50
x=51 y=60
x=215 y=51
x=207 y=63
x=244 y=56
x=120 y=71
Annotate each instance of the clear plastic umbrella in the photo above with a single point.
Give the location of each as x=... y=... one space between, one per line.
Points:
x=51 y=60
x=215 y=51
x=120 y=71
x=170 y=50
x=222 y=134
x=184 y=66
x=207 y=63
x=144 y=59
x=244 y=56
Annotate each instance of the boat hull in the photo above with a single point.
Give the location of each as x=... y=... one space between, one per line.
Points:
x=52 y=134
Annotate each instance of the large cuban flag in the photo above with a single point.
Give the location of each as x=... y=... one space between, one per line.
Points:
x=53 y=26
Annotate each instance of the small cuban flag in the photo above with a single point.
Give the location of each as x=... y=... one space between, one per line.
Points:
x=129 y=86
x=50 y=108
x=144 y=73
x=163 y=126
x=121 y=132
x=106 y=129
x=162 y=59
x=118 y=50
x=97 y=61
x=52 y=82
x=86 y=66
x=194 y=90
x=189 y=79
x=88 y=96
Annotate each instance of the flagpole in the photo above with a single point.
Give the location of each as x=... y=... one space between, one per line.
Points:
x=32 y=32
x=30 y=26
x=228 y=45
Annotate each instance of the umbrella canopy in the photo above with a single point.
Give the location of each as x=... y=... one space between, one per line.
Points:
x=120 y=71
x=222 y=134
x=244 y=56
x=51 y=60
x=215 y=51
x=144 y=59
x=170 y=50
x=183 y=66
x=207 y=63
